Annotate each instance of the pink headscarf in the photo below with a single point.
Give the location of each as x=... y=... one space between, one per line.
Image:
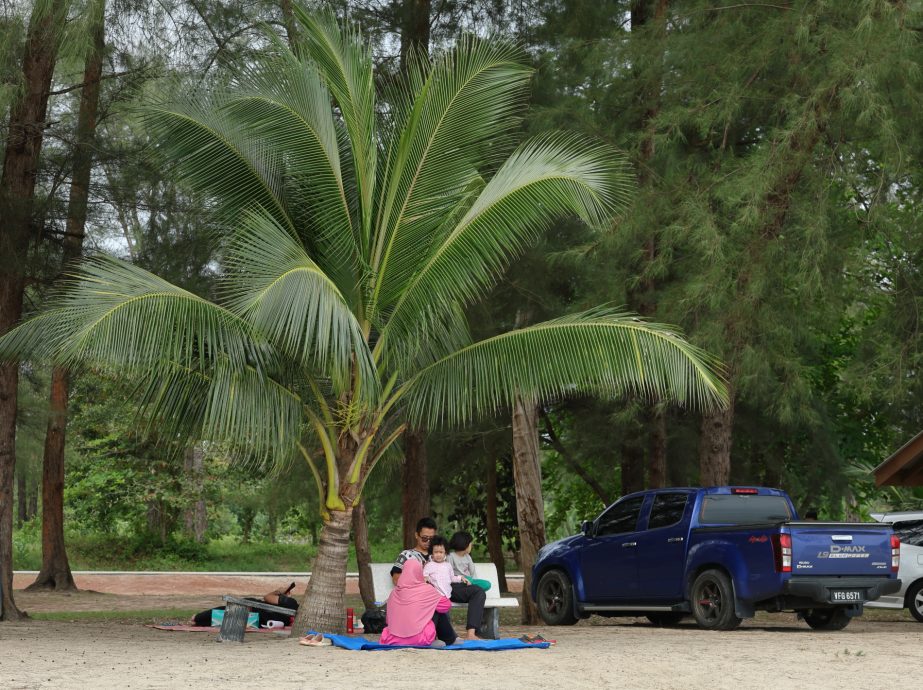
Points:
x=412 y=602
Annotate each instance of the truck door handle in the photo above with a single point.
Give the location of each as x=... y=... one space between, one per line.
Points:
x=674 y=540
x=629 y=544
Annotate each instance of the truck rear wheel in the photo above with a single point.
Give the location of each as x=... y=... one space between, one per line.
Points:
x=713 y=601
x=827 y=619
x=555 y=599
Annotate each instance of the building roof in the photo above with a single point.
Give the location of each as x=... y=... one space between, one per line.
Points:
x=904 y=467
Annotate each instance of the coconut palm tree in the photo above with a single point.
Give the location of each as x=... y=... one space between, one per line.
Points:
x=358 y=231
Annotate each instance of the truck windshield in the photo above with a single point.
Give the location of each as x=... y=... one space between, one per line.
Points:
x=741 y=510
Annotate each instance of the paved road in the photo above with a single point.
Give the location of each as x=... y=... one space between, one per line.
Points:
x=129 y=582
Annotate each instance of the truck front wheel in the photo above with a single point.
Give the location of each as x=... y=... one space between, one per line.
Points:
x=827 y=619
x=555 y=599
x=713 y=601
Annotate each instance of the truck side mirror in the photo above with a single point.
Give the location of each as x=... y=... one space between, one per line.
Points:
x=587 y=528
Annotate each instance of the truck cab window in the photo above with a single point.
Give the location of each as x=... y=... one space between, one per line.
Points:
x=667 y=510
x=620 y=518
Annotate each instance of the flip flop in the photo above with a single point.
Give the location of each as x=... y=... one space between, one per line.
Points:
x=536 y=639
x=317 y=640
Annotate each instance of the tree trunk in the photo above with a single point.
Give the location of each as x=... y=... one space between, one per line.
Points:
x=291 y=27
x=530 y=506
x=715 y=445
x=25 y=130
x=415 y=31
x=363 y=554
x=494 y=538
x=321 y=607
x=632 y=468
x=33 y=501
x=570 y=461
x=22 y=512
x=415 y=499
x=195 y=517
x=56 y=572
x=657 y=465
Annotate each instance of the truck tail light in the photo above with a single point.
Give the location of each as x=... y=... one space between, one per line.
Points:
x=895 y=553
x=782 y=547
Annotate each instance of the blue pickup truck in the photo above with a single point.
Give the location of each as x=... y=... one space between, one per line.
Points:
x=719 y=554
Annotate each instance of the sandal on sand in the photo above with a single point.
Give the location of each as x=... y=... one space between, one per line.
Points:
x=535 y=639
x=316 y=640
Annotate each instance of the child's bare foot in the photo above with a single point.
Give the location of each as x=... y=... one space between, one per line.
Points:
x=472 y=635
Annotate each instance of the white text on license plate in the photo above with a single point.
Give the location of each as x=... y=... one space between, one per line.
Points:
x=851 y=595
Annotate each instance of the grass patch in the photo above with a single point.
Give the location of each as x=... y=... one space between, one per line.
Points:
x=148 y=616
x=140 y=552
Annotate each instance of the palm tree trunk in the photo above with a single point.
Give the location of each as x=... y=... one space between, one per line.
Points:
x=321 y=608
x=530 y=506
x=494 y=538
x=415 y=498
x=363 y=554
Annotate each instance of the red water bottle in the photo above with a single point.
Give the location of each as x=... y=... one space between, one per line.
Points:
x=349 y=620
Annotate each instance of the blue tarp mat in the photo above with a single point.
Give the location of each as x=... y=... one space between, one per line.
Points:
x=360 y=643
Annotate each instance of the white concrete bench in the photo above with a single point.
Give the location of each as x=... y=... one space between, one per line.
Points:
x=490 y=628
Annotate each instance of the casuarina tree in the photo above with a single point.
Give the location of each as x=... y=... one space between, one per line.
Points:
x=359 y=228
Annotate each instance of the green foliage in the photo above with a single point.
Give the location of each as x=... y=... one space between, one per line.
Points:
x=346 y=273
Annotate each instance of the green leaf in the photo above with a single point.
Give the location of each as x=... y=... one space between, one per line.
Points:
x=594 y=352
x=118 y=316
x=213 y=154
x=344 y=61
x=451 y=127
x=272 y=283
x=544 y=179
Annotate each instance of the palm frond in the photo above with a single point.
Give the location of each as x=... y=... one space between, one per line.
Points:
x=284 y=104
x=274 y=284
x=217 y=158
x=257 y=418
x=118 y=316
x=544 y=179
x=450 y=128
x=344 y=62
x=599 y=351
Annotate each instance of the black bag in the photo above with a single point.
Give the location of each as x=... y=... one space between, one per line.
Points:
x=373 y=621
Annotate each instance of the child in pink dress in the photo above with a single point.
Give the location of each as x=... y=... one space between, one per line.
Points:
x=438 y=571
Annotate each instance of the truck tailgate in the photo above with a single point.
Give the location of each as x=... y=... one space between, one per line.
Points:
x=840 y=548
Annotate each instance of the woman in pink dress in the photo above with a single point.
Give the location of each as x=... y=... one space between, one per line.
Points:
x=417 y=612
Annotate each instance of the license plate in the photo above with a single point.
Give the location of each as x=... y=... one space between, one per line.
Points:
x=847 y=595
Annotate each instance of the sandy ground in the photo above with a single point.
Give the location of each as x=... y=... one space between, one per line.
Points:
x=771 y=652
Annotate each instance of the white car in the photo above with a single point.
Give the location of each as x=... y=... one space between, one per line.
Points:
x=908 y=526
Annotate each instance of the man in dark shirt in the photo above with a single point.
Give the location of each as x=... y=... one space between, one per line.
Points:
x=426 y=530
x=462 y=593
